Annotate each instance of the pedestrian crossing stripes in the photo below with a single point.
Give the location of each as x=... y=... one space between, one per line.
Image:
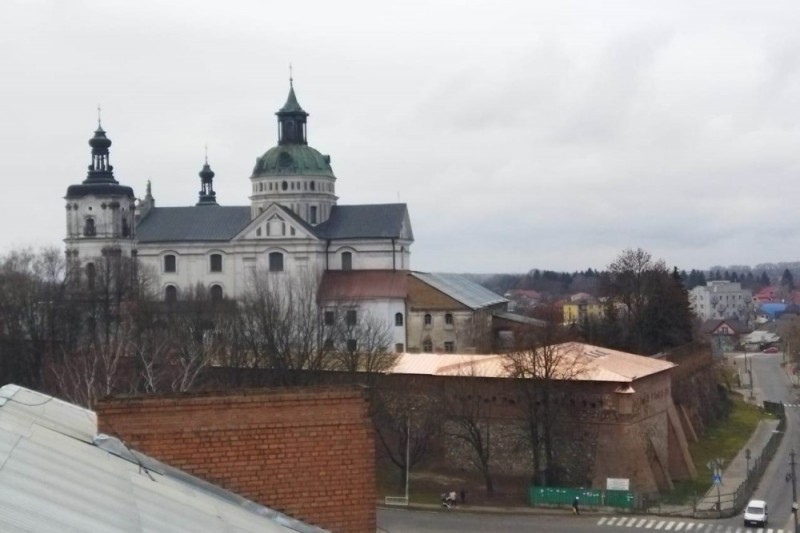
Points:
x=665 y=524
x=791 y=405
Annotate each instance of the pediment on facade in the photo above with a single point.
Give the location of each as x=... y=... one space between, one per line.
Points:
x=276 y=222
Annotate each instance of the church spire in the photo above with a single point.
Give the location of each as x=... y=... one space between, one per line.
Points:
x=292 y=120
x=207 y=194
x=100 y=170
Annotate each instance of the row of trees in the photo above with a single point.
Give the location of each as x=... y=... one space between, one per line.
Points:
x=554 y=285
x=84 y=332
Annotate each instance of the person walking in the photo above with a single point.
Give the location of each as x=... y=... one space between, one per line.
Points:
x=575 y=509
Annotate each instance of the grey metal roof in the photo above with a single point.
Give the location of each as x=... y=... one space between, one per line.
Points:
x=462 y=289
x=58 y=476
x=196 y=223
x=366 y=221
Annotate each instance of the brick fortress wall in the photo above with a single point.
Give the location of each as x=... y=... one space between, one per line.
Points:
x=308 y=452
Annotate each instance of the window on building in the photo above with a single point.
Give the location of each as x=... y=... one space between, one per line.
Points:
x=88 y=228
x=329 y=318
x=169 y=263
x=351 y=317
x=216 y=293
x=427 y=346
x=449 y=346
x=258 y=231
x=398 y=319
x=91 y=273
x=126 y=230
x=171 y=294
x=215 y=262
x=428 y=319
x=312 y=185
x=352 y=345
x=347 y=261
x=312 y=212
x=399 y=347
x=448 y=319
x=276 y=262
x=328 y=344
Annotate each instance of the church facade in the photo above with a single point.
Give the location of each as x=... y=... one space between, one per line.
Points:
x=293 y=227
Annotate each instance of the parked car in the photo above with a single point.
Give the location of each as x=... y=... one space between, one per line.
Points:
x=771 y=349
x=755 y=513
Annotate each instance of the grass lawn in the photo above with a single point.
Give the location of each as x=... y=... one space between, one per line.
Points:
x=723 y=440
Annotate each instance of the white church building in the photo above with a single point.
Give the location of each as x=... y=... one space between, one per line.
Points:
x=292 y=226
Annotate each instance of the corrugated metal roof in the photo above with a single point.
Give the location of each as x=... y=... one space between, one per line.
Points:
x=196 y=223
x=581 y=362
x=54 y=478
x=346 y=285
x=366 y=221
x=460 y=288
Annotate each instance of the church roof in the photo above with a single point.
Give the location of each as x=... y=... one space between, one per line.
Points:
x=462 y=289
x=345 y=285
x=292 y=105
x=293 y=160
x=196 y=223
x=368 y=221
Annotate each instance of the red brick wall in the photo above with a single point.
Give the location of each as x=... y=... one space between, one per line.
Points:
x=308 y=452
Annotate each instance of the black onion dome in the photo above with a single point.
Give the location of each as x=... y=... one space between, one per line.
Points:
x=100 y=140
x=206 y=173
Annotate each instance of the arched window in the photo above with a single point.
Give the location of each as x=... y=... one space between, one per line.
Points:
x=216 y=293
x=169 y=263
x=171 y=294
x=90 y=275
x=88 y=229
x=427 y=346
x=398 y=319
x=215 y=263
x=347 y=261
x=276 y=262
x=428 y=319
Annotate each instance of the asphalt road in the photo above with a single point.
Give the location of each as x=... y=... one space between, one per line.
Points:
x=772 y=383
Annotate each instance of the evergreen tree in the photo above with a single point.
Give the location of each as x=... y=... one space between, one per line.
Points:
x=787 y=280
x=764 y=279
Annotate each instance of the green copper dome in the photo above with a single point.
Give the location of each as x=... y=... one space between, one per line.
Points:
x=292 y=159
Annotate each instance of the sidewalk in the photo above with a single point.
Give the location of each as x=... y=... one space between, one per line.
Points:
x=735 y=472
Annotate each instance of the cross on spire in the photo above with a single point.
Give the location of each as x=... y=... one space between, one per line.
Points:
x=291 y=81
x=99 y=125
x=206 y=153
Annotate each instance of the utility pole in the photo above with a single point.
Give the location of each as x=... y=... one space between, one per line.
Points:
x=794 y=491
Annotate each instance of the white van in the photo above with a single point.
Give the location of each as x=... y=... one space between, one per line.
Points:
x=756 y=513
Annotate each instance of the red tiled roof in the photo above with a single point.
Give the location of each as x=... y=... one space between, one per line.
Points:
x=363 y=284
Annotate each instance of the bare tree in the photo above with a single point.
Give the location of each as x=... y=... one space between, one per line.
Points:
x=540 y=363
x=406 y=426
x=469 y=420
x=355 y=339
x=281 y=325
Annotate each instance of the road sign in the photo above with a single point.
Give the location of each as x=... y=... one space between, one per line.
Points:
x=716 y=479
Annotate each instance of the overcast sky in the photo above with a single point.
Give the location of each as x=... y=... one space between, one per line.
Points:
x=520 y=134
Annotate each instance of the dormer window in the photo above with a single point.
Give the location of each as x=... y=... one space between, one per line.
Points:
x=347 y=261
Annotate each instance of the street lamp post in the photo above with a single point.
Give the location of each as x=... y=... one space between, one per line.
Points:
x=408 y=449
x=794 y=491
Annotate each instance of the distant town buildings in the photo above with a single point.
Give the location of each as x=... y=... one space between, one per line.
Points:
x=721 y=299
